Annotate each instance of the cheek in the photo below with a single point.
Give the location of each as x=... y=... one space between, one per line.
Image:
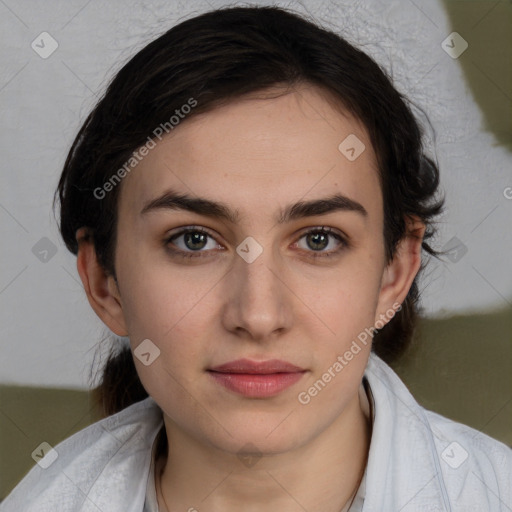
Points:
x=346 y=306
x=159 y=298
x=344 y=299
x=172 y=308
x=174 y=318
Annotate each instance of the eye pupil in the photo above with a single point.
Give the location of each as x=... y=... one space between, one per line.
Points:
x=195 y=241
x=198 y=240
x=319 y=241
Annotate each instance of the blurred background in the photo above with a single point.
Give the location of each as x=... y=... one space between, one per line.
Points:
x=461 y=361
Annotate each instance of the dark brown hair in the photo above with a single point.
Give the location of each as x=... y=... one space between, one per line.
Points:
x=215 y=58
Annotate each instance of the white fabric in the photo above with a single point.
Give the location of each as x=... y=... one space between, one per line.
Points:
x=151 y=501
x=105 y=467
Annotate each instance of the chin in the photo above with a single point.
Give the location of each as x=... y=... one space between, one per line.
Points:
x=269 y=437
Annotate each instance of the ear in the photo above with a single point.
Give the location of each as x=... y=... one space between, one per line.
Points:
x=399 y=274
x=100 y=287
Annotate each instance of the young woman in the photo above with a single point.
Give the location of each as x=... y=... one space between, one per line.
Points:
x=248 y=204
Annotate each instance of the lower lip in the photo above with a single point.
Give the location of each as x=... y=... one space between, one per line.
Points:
x=257 y=385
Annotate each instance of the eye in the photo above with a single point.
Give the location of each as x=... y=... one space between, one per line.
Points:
x=195 y=241
x=319 y=239
x=191 y=242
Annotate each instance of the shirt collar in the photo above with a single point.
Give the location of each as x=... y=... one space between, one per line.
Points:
x=403 y=470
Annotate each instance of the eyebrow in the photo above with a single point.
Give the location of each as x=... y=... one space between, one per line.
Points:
x=176 y=201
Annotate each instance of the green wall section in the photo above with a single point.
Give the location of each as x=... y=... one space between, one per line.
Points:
x=487 y=63
x=29 y=416
x=459 y=367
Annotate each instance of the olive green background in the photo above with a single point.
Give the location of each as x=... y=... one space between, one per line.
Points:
x=459 y=367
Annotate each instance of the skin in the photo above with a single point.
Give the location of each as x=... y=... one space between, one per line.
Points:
x=256 y=156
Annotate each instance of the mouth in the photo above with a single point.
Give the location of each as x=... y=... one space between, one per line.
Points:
x=257 y=367
x=257 y=379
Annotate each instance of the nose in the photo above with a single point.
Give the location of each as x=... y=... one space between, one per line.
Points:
x=258 y=301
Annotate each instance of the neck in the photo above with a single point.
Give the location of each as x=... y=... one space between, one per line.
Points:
x=323 y=474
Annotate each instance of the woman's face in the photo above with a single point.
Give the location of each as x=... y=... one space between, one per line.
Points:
x=258 y=281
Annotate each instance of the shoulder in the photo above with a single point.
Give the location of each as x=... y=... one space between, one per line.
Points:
x=472 y=460
x=99 y=467
x=451 y=466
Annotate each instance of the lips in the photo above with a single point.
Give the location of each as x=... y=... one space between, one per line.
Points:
x=257 y=367
x=256 y=379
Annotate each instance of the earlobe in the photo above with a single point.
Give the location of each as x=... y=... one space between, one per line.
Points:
x=100 y=287
x=399 y=274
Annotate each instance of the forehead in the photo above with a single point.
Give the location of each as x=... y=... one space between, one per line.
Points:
x=259 y=152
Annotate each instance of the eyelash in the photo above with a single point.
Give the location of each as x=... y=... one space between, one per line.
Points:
x=314 y=254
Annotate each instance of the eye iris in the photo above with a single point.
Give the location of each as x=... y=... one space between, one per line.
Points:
x=197 y=240
x=317 y=241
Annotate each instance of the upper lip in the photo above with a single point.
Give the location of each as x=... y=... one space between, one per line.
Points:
x=255 y=367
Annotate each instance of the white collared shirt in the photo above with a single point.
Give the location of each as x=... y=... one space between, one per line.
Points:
x=418 y=461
